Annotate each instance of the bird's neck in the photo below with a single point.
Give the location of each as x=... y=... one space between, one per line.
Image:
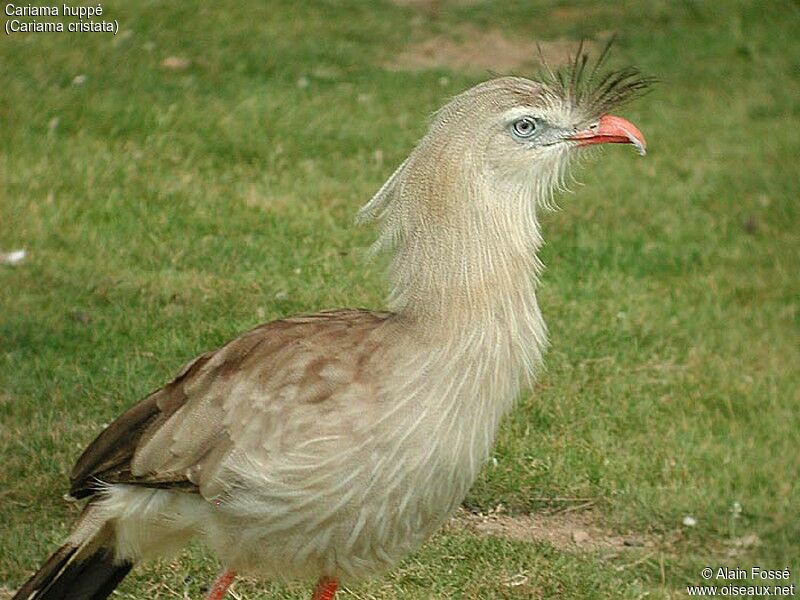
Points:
x=469 y=276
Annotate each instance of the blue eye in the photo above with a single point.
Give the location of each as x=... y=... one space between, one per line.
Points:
x=524 y=127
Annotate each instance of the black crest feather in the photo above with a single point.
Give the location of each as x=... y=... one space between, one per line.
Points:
x=586 y=84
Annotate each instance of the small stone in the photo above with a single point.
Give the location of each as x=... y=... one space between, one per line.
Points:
x=79 y=80
x=12 y=258
x=689 y=521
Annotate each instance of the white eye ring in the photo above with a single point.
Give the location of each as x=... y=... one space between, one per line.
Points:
x=524 y=127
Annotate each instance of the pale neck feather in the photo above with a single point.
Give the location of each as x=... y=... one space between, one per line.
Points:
x=465 y=244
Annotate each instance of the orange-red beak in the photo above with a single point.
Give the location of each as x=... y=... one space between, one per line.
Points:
x=612 y=130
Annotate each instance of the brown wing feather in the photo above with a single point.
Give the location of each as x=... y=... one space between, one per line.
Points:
x=109 y=456
x=148 y=444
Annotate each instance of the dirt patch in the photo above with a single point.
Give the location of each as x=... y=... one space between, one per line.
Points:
x=564 y=530
x=433 y=5
x=473 y=50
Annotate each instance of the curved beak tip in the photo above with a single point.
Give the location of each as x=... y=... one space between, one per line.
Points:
x=611 y=129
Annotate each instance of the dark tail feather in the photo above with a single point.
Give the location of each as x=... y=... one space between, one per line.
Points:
x=46 y=573
x=91 y=579
x=81 y=569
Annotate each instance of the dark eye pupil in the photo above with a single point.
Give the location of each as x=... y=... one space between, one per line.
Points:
x=525 y=127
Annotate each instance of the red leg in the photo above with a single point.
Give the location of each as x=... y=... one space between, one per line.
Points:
x=221 y=585
x=326 y=589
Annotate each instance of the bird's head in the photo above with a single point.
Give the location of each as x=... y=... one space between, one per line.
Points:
x=511 y=136
x=520 y=129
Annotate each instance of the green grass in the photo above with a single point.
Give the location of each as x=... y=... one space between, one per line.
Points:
x=166 y=211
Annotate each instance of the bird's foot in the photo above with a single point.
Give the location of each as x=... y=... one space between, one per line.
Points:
x=221 y=585
x=326 y=589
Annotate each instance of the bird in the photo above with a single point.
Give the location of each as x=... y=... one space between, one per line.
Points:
x=327 y=446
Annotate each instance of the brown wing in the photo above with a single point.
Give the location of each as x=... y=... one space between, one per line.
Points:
x=177 y=434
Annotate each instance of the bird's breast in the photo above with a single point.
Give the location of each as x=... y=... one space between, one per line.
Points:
x=352 y=500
